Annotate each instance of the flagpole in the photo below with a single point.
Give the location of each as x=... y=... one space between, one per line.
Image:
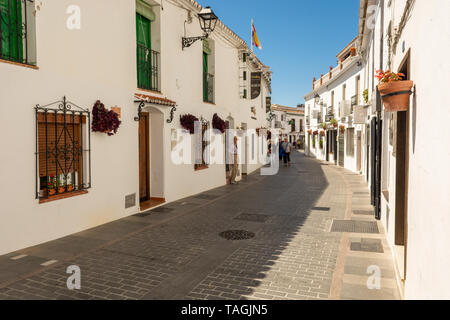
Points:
x=252 y=34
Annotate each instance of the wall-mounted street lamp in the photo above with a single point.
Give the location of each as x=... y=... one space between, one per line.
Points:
x=208 y=21
x=317 y=98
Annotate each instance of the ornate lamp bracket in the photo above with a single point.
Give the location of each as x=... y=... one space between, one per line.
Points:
x=186 y=42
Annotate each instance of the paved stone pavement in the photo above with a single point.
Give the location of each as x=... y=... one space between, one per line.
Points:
x=175 y=251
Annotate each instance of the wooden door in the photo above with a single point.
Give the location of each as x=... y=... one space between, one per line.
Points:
x=144 y=159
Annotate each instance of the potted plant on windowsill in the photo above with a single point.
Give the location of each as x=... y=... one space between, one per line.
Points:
x=324 y=126
x=334 y=123
x=51 y=185
x=394 y=91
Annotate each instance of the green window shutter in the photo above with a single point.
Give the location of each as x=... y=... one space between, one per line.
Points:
x=205 y=76
x=245 y=93
x=145 y=10
x=11 y=30
x=143 y=54
x=245 y=75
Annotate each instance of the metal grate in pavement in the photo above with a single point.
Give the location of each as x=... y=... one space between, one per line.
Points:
x=354 y=226
x=252 y=217
x=367 y=245
x=363 y=212
x=321 y=208
x=237 y=235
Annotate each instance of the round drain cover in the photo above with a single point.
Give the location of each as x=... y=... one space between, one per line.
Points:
x=237 y=235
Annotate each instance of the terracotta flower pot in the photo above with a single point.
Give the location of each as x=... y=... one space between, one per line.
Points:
x=395 y=95
x=51 y=192
x=61 y=189
x=69 y=188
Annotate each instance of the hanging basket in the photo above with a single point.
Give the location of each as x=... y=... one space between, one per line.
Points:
x=395 y=95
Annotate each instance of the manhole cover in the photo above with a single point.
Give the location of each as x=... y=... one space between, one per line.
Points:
x=206 y=196
x=321 y=208
x=162 y=210
x=354 y=226
x=364 y=212
x=237 y=235
x=252 y=217
x=367 y=245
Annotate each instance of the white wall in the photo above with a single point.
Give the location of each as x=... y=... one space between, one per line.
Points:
x=99 y=62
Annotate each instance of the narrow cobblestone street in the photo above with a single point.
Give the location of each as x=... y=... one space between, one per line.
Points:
x=176 y=252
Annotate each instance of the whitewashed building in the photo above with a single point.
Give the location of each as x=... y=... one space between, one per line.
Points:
x=403 y=155
x=412 y=177
x=332 y=133
x=288 y=122
x=139 y=60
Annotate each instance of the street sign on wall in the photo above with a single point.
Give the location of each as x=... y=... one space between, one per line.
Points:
x=255 y=84
x=268 y=104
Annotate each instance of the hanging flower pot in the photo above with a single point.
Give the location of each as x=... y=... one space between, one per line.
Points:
x=310 y=131
x=342 y=129
x=394 y=92
x=219 y=124
x=104 y=120
x=188 y=122
x=322 y=133
x=334 y=123
x=316 y=133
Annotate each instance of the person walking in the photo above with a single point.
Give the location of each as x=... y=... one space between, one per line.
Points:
x=281 y=151
x=234 y=157
x=287 y=147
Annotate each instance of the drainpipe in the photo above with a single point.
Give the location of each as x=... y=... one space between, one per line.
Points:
x=379 y=123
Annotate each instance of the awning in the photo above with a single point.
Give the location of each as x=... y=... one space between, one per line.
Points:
x=142 y=99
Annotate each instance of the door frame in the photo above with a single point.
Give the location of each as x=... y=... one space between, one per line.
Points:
x=145 y=116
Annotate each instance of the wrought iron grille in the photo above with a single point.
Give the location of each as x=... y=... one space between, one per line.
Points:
x=63 y=149
x=147 y=68
x=208 y=87
x=15 y=17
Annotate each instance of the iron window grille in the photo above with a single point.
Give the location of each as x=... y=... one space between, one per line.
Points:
x=204 y=147
x=63 y=149
x=148 y=68
x=16 y=20
x=208 y=87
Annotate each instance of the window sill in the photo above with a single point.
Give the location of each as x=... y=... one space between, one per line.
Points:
x=211 y=103
x=150 y=91
x=62 y=196
x=200 y=168
x=19 y=64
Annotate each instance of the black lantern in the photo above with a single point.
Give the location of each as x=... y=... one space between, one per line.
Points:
x=208 y=21
x=317 y=98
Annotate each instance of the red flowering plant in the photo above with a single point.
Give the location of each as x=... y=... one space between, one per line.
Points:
x=316 y=133
x=104 y=120
x=218 y=123
x=188 y=122
x=388 y=76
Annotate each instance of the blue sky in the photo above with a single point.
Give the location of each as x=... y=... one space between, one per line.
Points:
x=300 y=38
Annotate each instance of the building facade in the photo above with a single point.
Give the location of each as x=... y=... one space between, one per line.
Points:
x=134 y=63
x=288 y=122
x=403 y=155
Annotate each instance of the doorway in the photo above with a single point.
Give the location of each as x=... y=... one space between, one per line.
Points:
x=341 y=149
x=144 y=158
x=244 y=151
x=401 y=179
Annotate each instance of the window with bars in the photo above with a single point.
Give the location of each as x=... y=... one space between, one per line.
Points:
x=205 y=141
x=17 y=31
x=62 y=149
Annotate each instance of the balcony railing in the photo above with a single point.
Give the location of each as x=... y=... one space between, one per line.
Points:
x=148 y=68
x=15 y=16
x=208 y=87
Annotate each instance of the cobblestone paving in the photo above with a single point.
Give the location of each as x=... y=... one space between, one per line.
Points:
x=178 y=254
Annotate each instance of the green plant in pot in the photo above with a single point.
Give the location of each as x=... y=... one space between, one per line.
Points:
x=334 y=123
x=366 y=95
